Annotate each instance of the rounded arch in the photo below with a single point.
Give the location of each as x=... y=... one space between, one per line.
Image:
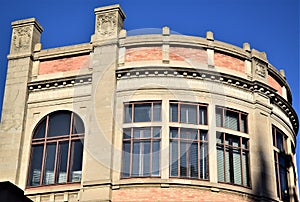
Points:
x=56 y=149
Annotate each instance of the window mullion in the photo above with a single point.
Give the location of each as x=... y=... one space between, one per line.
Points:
x=44 y=151
x=242 y=164
x=56 y=164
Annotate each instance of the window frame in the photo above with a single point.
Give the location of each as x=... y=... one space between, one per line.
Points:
x=283 y=154
x=180 y=140
x=240 y=114
x=45 y=141
x=133 y=140
x=198 y=105
x=225 y=146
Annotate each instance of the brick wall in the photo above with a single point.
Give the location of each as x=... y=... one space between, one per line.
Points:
x=64 y=64
x=229 y=62
x=174 y=194
x=188 y=54
x=143 y=54
x=274 y=84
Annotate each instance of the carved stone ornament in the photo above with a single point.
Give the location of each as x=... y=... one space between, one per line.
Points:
x=260 y=70
x=21 y=38
x=106 y=24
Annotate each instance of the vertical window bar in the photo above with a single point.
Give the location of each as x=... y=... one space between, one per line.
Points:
x=44 y=151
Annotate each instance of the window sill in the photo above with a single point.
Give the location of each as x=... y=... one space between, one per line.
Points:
x=52 y=188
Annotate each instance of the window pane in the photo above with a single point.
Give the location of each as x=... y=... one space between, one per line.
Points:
x=219 y=138
x=156 y=112
x=203 y=135
x=36 y=165
x=193 y=164
x=173 y=132
x=77 y=151
x=246 y=169
x=78 y=126
x=191 y=134
x=283 y=183
x=220 y=162
x=40 y=130
x=156 y=158
x=156 y=132
x=142 y=112
x=174 y=112
x=188 y=113
x=63 y=162
x=243 y=123
x=136 y=159
x=174 y=157
x=145 y=132
x=128 y=113
x=203 y=161
x=279 y=139
x=145 y=158
x=126 y=133
x=235 y=141
x=219 y=117
x=237 y=168
x=59 y=123
x=203 y=115
x=231 y=120
x=126 y=159
x=49 y=164
x=183 y=163
x=227 y=165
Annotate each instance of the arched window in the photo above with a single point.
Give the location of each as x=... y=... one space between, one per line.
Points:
x=56 y=150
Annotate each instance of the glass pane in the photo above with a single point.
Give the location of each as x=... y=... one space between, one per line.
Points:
x=183 y=160
x=145 y=132
x=237 y=167
x=146 y=158
x=243 y=123
x=193 y=164
x=126 y=160
x=49 y=164
x=136 y=159
x=246 y=169
x=174 y=112
x=219 y=117
x=235 y=141
x=126 y=133
x=156 y=158
x=63 y=162
x=188 y=113
x=77 y=151
x=227 y=165
x=59 y=123
x=142 y=112
x=219 y=137
x=136 y=133
x=231 y=120
x=283 y=183
x=174 y=158
x=40 y=130
x=203 y=135
x=220 y=162
x=203 y=115
x=36 y=165
x=128 y=113
x=203 y=161
x=279 y=139
x=156 y=112
x=245 y=143
x=156 y=132
x=78 y=126
x=173 y=132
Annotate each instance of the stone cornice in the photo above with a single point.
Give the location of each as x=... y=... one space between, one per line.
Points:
x=226 y=79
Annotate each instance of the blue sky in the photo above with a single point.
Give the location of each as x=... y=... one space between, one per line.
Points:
x=268 y=25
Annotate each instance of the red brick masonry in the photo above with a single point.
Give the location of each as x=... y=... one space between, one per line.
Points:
x=143 y=54
x=188 y=54
x=174 y=194
x=229 y=62
x=64 y=64
x=274 y=84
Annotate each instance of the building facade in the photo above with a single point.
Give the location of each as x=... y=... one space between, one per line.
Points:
x=157 y=117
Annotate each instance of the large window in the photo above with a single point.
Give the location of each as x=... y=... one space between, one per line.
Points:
x=188 y=153
x=141 y=145
x=233 y=159
x=231 y=119
x=141 y=152
x=56 y=150
x=281 y=166
x=191 y=113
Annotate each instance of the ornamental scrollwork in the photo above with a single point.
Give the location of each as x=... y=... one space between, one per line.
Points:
x=260 y=70
x=106 y=24
x=21 y=38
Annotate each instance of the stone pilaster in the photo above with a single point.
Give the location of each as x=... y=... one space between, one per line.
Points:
x=25 y=34
x=109 y=22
